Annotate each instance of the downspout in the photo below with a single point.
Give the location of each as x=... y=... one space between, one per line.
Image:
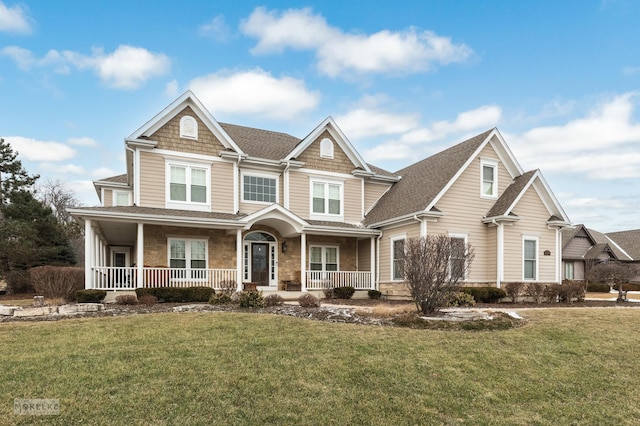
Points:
x=136 y=190
x=423 y=229
x=378 y=261
x=285 y=184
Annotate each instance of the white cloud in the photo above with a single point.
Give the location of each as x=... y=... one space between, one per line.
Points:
x=602 y=145
x=128 y=67
x=60 y=169
x=254 y=92
x=171 y=89
x=103 y=172
x=14 y=19
x=35 y=150
x=84 y=141
x=340 y=53
x=216 y=29
x=362 y=122
x=388 y=151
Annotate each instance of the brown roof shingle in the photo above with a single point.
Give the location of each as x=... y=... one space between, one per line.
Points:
x=261 y=143
x=510 y=194
x=116 y=179
x=629 y=241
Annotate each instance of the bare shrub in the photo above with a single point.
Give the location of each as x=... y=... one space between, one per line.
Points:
x=228 y=287
x=18 y=281
x=126 y=299
x=535 y=291
x=571 y=291
x=148 y=300
x=308 y=300
x=57 y=281
x=273 y=300
x=515 y=290
x=433 y=267
x=550 y=293
x=328 y=293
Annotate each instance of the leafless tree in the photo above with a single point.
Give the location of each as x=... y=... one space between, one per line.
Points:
x=433 y=268
x=613 y=273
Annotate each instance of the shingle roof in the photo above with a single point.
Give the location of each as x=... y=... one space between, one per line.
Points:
x=261 y=143
x=422 y=182
x=595 y=250
x=602 y=238
x=510 y=194
x=382 y=172
x=629 y=241
x=116 y=179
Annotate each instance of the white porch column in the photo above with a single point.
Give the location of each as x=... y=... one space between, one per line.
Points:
x=500 y=254
x=303 y=262
x=88 y=238
x=372 y=262
x=140 y=254
x=239 y=260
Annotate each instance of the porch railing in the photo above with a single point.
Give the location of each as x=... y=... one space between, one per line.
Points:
x=123 y=278
x=318 y=280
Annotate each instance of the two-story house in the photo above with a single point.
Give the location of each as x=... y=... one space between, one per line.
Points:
x=215 y=204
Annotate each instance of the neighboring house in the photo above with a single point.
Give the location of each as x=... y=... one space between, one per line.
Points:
x=582 y=249
x=628 y=242
x=208 y=203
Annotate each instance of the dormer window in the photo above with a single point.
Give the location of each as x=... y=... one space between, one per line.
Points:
x=489 y=179
x=188 y=127
x=326 y=148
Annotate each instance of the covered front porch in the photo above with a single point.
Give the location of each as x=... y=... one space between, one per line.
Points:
x=268 y=252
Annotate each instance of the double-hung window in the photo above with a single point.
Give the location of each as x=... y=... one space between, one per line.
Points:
x=569 y=270
x=489 y=179
x=397 y=258
x=121 y=198
x=260 y=189
x=530 y=258
x=323 y=258
x=326 y=199
x=188 y=258
x=188 y=186
x=457 y=258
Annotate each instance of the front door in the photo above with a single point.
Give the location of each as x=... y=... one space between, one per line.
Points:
x=120 y=262
x=260 y=263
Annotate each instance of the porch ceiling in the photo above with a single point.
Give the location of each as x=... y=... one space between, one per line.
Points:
x=118 y=233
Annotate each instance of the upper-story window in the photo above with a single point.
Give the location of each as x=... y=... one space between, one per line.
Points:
x=326 y=199
x=326 y=148
x=489 y=179
x=188 y=186
x=188 y=127
x=259 y=188
x=121 y=198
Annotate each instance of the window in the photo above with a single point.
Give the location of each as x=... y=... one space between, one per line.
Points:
x=326 y=198
x=260 y=189
x=457 y=258
x=397 y=258
x=568 y=270
x=530 y=258
x=188 y=184
x=121 y=198
x=188 y=127
x=189 y=255
x=489 y=179
x=326 y=148
x=322 y=258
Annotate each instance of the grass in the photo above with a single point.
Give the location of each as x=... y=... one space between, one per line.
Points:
x=566 y=366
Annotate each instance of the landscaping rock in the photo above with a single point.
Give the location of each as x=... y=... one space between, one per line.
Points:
x=7 y=310
x=80 y=308
x=35 y=312
x=38 y=301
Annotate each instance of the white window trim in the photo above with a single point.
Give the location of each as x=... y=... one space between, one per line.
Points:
x=114 y=197
x=485 y=162
x=464 y=237
x=187 y=254
x=536 y=239
x=573 y=269
x=262 y=175
x=195 y=128
x=326 y=216
x=326 y=148
x=323 y=247
x=392 y=240
x=187 y=205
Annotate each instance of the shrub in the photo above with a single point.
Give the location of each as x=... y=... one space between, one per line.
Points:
x=228 y=287
x=627 y=287
x=90 y=296
x=308 y=300
x=535 y=291
x=251 y=299
x=18 y=281
x=328 y=293
x=148 y=300
x=344 y=292
x=514 y=290
x=485 y=294
x=177 y=295
x=461 y=299
x=57 y=281
x=374 y=294
x=599 y=287
x=273 y=300
x=550 y=293
x=571 y=291
x=222 y=298
x=126 y=299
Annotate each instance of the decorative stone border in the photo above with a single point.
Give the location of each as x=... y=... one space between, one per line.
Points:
x=20 y=312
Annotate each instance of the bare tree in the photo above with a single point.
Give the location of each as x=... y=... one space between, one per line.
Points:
x=433 y=268
x=613 y=273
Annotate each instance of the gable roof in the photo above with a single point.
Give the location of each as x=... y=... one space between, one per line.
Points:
x=421 y=182
x=629 y=241
x=600 y=238
x=510 y=196
x=567 y=234
x=261 y=143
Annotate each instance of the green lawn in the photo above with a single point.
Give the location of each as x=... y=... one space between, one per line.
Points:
x=566 y=366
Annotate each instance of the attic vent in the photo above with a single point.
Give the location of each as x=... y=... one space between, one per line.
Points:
x=326 y=148
x=188 y=127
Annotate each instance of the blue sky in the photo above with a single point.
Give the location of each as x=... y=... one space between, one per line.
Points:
x=403 y=80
